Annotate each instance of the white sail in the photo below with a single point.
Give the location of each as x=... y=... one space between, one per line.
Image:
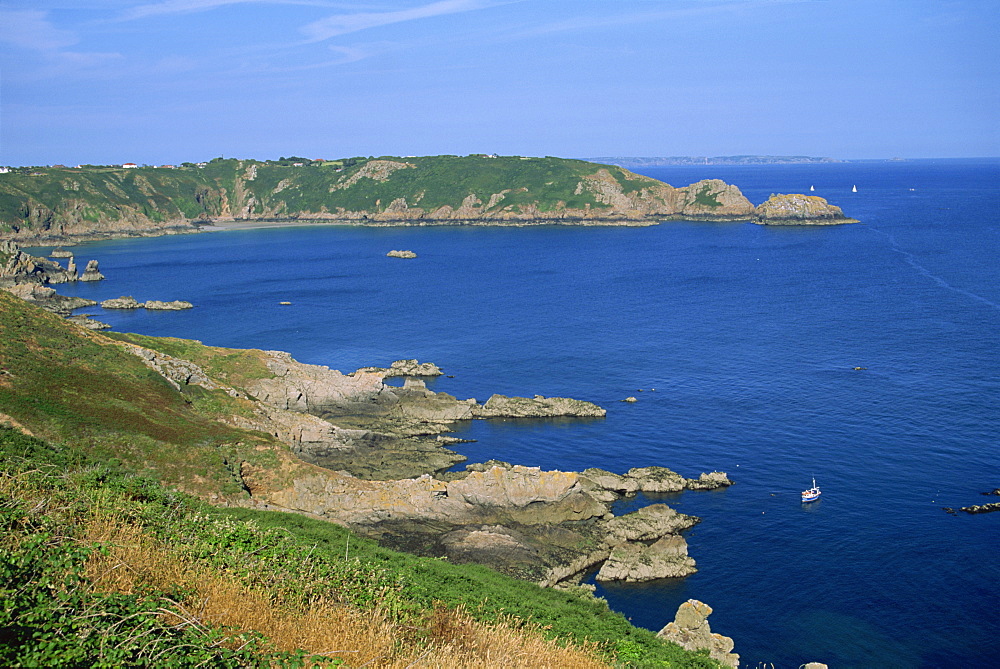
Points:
x=854 y=189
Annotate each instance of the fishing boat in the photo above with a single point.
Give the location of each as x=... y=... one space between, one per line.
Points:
x=812 y=494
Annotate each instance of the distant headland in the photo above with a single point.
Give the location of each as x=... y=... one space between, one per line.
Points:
x=59 y=203
x=636 y=161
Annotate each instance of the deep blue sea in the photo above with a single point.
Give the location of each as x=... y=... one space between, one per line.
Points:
x=740 y=343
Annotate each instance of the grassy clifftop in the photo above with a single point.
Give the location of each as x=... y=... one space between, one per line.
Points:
x=102 y=562
x=38 y=203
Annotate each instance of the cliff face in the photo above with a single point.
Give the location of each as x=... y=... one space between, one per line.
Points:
x=93 y=202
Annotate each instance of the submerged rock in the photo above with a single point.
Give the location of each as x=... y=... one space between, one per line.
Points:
x=690 y=630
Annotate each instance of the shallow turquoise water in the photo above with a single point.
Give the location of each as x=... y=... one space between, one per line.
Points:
x=749 y=336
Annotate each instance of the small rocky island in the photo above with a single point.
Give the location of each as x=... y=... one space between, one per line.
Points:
x=800 y=210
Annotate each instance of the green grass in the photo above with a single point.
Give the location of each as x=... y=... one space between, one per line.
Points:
x=75 y=386
x=163 y=195
x=706 y=197
x=294 y=558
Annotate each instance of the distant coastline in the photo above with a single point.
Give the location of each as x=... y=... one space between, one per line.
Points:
x=661 y=161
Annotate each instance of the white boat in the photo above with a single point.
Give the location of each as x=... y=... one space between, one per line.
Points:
x=812 y=188
x=854 y=189
x=812 y=494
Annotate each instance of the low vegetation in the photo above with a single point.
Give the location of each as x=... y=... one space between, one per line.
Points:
x=103 y=562
x=59 y=200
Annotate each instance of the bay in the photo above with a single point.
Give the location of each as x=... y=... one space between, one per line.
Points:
x=740 y=343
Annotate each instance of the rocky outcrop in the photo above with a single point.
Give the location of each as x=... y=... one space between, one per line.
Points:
x=48 y=299
x=636 y=562
x=401 y=254
x=123 y=302
x=546 y=526
x=690 y=630
x=522 y=495
x=713 y=199
x=609 y=485
x=501 y=406
x=405 y=368
x=84 y=320
x=91 y=272
x=17 y=267
x=176 y=305
x=977 y=508
x=799 y=210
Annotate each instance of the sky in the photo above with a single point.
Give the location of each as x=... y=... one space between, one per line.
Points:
x=167 y=81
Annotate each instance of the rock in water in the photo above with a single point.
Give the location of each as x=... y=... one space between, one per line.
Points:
x=92 y=273
x=123 y=302
x=690 y=631
x=401 y=254
x=501 y=406
x=176 y=305
x=800 y=210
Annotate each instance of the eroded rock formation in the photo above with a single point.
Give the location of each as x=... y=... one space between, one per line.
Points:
x=799 y=210
x=691 y=631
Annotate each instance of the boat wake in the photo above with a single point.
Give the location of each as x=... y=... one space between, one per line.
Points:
x=912 y=261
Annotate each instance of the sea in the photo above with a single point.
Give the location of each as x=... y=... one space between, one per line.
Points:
x=865 y=356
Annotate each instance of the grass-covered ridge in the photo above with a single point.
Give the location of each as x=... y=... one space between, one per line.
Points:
x=59 y=201
x=100 y=567
x=103 y=562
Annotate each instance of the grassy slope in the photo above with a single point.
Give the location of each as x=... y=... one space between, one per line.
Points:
x=75 y=386
x=105 y=415
x=190 y=192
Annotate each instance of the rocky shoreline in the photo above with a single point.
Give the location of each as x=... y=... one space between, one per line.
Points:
x=385 y=474
x=382 y=462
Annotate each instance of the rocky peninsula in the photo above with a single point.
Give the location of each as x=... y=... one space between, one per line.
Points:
x=382 y=469
x=64 y=204
x=381 y=458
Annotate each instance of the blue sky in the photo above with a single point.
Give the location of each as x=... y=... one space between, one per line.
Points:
x=164 y=81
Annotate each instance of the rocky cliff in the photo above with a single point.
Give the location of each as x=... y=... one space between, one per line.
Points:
x=799 y=210
x=690 y=630
x=93 y=202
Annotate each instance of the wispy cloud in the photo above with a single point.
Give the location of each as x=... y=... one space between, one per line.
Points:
x=31 y=29
x=194 y=6
x=342 y=24
x=673 y=9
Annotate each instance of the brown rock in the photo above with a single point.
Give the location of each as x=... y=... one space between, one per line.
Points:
x=799 y=210
x=691 y=631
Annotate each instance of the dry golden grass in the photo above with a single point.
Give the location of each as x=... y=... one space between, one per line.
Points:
x=450 y=639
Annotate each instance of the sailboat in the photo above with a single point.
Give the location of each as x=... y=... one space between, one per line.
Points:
x=812 y=188
x=812 y=494
x=854 y=189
